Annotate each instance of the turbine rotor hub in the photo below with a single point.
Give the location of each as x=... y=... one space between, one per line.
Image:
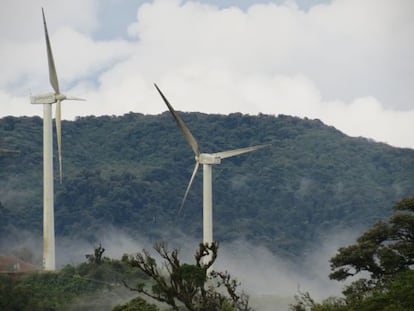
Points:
x=60 y=97
x=206 y=158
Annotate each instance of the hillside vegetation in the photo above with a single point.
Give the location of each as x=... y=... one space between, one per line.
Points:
x=131 y=172
x=88 y=286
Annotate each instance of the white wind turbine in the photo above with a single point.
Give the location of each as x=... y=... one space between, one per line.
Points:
x=48 y=198
x=207 y=159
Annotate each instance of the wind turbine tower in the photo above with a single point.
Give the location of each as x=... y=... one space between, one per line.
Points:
x=47 y=100
x=207 y=160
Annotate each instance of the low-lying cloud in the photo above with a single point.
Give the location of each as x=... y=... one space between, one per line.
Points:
x=269 y=279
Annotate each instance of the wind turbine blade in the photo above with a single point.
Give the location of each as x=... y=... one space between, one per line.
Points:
x=232 y=153
x=8 y=151
x=74 y=98
x=187 y=134
x=52 y=69
x=59 y=135
x=189 y=186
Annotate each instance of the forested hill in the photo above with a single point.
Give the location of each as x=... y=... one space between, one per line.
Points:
x=131 y=172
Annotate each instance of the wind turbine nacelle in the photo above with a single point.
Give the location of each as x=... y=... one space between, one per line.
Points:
x=48 y=98
x=206 y=158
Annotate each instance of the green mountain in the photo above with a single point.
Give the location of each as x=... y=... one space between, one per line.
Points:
x=131 y=172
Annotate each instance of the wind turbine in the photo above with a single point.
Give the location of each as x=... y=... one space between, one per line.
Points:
x=48 y=198
x=207 y=160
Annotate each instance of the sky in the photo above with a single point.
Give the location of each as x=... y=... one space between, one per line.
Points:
x=346 y=62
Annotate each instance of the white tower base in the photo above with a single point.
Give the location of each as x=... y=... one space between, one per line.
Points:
x=207 y=207
x=48 y=209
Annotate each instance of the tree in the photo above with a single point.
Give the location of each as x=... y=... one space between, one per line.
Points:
x=385 y=249
x=96 y=257
x=386 y=253
x=190 y=285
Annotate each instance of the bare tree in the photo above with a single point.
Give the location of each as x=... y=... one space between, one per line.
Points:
x=189 y=286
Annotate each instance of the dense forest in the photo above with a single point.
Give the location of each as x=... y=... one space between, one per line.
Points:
x=131 y=172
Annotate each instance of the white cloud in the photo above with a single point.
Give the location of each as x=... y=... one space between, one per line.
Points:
x=347 y=63
x=21 y=20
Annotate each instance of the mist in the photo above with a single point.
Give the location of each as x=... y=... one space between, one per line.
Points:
x=270 y=280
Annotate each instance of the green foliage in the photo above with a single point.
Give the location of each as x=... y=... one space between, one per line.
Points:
x=385 y=249
x=386 y=252
x=136 y=304
x=13 y=297
x=71 y=288
x=394 y=294
x=304 y=302
x=41 y=291
x=131 y=171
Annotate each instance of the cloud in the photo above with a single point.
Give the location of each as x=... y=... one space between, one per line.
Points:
x=347 y=63
x=272 y=281
x=21 y=20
